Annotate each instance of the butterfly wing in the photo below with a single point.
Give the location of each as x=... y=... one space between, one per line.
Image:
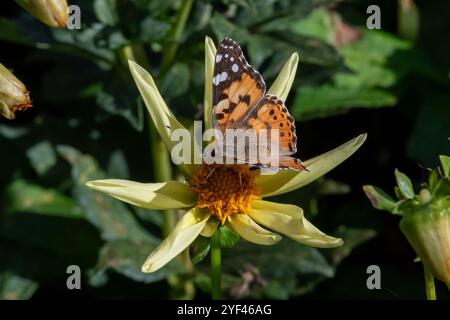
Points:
x=237 y=86
x=239 y=103
x=271 y=113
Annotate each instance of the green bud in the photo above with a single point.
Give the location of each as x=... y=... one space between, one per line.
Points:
x=53 y=13
x=13 y=94
x=427 y=229
x=424 y=196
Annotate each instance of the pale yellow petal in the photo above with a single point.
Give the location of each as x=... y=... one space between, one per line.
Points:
x=287 y=180
x=210 y=53
x=164 y=120
x=313 y=237
x=250 y=231
x=282 y=218
x=289 y=221
x=158 y=196
x=184 y=233
x=283 y=83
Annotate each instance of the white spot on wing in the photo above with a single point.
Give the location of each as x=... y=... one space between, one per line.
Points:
x=218 y=58
x=235 y=67
x=231 y=59
x=226 y=55
x=223 y=76
x=216 y=80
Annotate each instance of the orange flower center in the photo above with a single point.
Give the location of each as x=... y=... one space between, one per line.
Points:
x=225 y=189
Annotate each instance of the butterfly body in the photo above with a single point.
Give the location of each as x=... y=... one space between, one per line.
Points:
x=240 y=103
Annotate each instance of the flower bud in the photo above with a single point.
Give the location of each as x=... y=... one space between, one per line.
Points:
x=13 y=94
x=53 y=13
x=427 y=229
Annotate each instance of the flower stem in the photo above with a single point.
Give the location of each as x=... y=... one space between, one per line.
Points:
x=429 y=284
x=216 y=266
x=176 y=32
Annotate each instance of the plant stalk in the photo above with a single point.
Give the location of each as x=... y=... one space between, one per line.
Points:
x=176 y=33
x=429 y=284
x=216 y=266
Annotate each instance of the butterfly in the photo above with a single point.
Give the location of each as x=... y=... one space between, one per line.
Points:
x=240 y=102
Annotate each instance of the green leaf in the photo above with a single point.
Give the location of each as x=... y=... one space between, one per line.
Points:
x=11 y=31
x=126 y=257
x=228 y=238
x=179 y=75
x=117 y=165
x=404 y=184
x=326 y=100
x=110 y=216
x=16 y=287
x=22 y=196
x=199 y=249
x=318 y=24
x=106 y=12
x=117 y=96
x=153 y=30
x=445 y=164
x=379 y=199
x=42 y=157
x=297 y=268
x=286 y=258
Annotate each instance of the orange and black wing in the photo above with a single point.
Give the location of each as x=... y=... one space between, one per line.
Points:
x=271 y=114
x=237 y=86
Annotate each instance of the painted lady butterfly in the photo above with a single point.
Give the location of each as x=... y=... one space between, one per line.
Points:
x=240 y=102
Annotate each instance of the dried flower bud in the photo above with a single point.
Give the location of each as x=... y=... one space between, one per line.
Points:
x=13 y=94
x=53 y=13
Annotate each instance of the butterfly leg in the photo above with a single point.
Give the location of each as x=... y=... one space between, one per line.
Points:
x=210 y=173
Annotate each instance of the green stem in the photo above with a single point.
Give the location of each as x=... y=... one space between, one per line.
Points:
x=429 y=284
x=216 y=266
x=176 y=32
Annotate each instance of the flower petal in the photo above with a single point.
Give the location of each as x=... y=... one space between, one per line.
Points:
x=250 y=231
x=283 y=218
x=289 y=221
x=283 y=83
x=313 y=237
x=164 y=120
x=210 y=53
x=158 y=196
x=184 y=233
x=287 y=180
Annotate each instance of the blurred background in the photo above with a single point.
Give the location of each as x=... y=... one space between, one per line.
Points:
x=89 y=122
